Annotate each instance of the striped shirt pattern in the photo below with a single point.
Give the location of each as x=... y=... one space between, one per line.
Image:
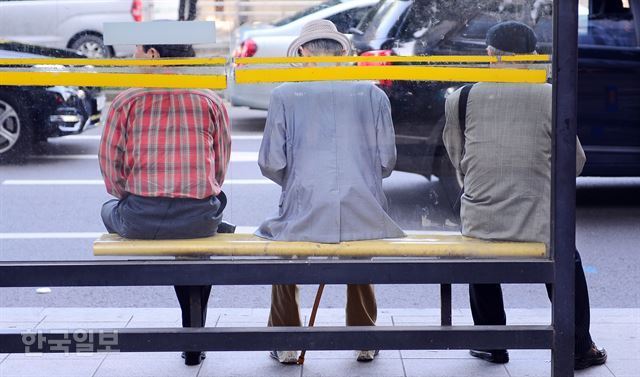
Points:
x=165 y=143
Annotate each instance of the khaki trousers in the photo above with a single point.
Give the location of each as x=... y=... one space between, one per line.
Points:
x=361 y=306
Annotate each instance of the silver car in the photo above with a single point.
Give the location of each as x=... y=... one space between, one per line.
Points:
x=74 y=24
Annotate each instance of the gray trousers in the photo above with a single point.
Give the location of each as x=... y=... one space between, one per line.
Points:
x=139 y=217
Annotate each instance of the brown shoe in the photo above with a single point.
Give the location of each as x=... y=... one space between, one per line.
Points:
x=592 y=357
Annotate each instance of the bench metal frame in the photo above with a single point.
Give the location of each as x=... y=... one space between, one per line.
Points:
x=559 y=270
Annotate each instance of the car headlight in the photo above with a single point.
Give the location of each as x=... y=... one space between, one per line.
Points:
x=63 y=91
x=65 y=118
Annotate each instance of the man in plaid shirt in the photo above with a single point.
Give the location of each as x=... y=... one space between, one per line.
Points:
x=163 y=155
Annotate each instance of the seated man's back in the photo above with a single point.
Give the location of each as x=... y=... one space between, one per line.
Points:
x=164 y=155
x=507 y=161
x=165 y=139
x=329 y=145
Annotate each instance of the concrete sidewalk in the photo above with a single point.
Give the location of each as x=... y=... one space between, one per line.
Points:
x=618 y=330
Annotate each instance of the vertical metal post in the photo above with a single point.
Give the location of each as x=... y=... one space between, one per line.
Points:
x=563 y=183
x=445 y=305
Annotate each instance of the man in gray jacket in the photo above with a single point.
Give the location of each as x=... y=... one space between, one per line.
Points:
x=504 y=158
x=328 y=145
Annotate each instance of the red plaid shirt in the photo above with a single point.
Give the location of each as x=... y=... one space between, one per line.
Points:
x=165 y=143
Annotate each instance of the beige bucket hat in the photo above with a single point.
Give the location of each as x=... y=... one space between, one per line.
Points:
x=319 y=29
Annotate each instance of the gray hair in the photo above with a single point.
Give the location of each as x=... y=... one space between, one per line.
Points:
x=497 y=52
x=326 y=47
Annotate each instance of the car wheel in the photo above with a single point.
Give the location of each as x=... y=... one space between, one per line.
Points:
x=91 y=46
x=16 y=133
x=450 y=181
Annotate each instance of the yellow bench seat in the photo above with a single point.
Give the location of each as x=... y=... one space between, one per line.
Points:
x=423 y=245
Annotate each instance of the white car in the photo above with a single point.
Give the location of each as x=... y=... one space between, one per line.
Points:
x=73 y=24
x=273 y=40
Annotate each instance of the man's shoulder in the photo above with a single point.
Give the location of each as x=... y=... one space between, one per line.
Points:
x=453 y=98
x=292 y=87
x=133 y=94
x=127 y=96
x=209 y=95
x=509 y=96
x=204 y=93
x=488 y=87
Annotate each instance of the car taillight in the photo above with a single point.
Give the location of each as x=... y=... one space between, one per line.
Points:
x=136 y=10
x=247 y=49
x=376 y=53
x=385 y=83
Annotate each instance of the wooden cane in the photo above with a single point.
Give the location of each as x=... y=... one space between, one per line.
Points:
x=312 y=319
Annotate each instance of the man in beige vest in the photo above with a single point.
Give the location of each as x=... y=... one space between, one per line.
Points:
x=504 y=158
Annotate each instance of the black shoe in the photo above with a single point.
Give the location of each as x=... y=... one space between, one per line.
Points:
x=492 y=356
x=592 y=357
x=193 y=358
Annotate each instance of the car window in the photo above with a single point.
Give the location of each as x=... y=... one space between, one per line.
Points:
x=368 y=17
x=385 y=22
x=609 y=23
x=418 y=18
x=467 y=30
x=477 y=28
x=306 y=12
x=348 y=19
x=527 y=12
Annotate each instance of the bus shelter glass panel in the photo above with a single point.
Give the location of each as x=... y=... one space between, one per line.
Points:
x=335 y=145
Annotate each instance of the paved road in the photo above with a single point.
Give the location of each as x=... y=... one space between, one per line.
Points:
x=59 y=192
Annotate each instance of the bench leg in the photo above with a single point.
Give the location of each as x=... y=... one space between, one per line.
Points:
x=445 y=305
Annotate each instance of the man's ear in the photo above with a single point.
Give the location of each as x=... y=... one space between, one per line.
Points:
x=153 y=53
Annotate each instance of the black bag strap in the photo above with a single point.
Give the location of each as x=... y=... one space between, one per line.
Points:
x=462 y=121
x=462 y=109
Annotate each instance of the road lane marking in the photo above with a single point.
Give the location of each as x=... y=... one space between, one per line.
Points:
x=246 y=137
x=89 y=182
x=94 y=235
x=64 y=157
x=80 y=137
x=235 y=157
x=49 y=235
x=244 y=156
x=97 y=137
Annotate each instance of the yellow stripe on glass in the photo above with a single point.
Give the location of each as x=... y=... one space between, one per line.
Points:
x=117 y=80
x=397 y=59
x=417 y=72
x=116 y=62
x=411 y=73
x=219 y=61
